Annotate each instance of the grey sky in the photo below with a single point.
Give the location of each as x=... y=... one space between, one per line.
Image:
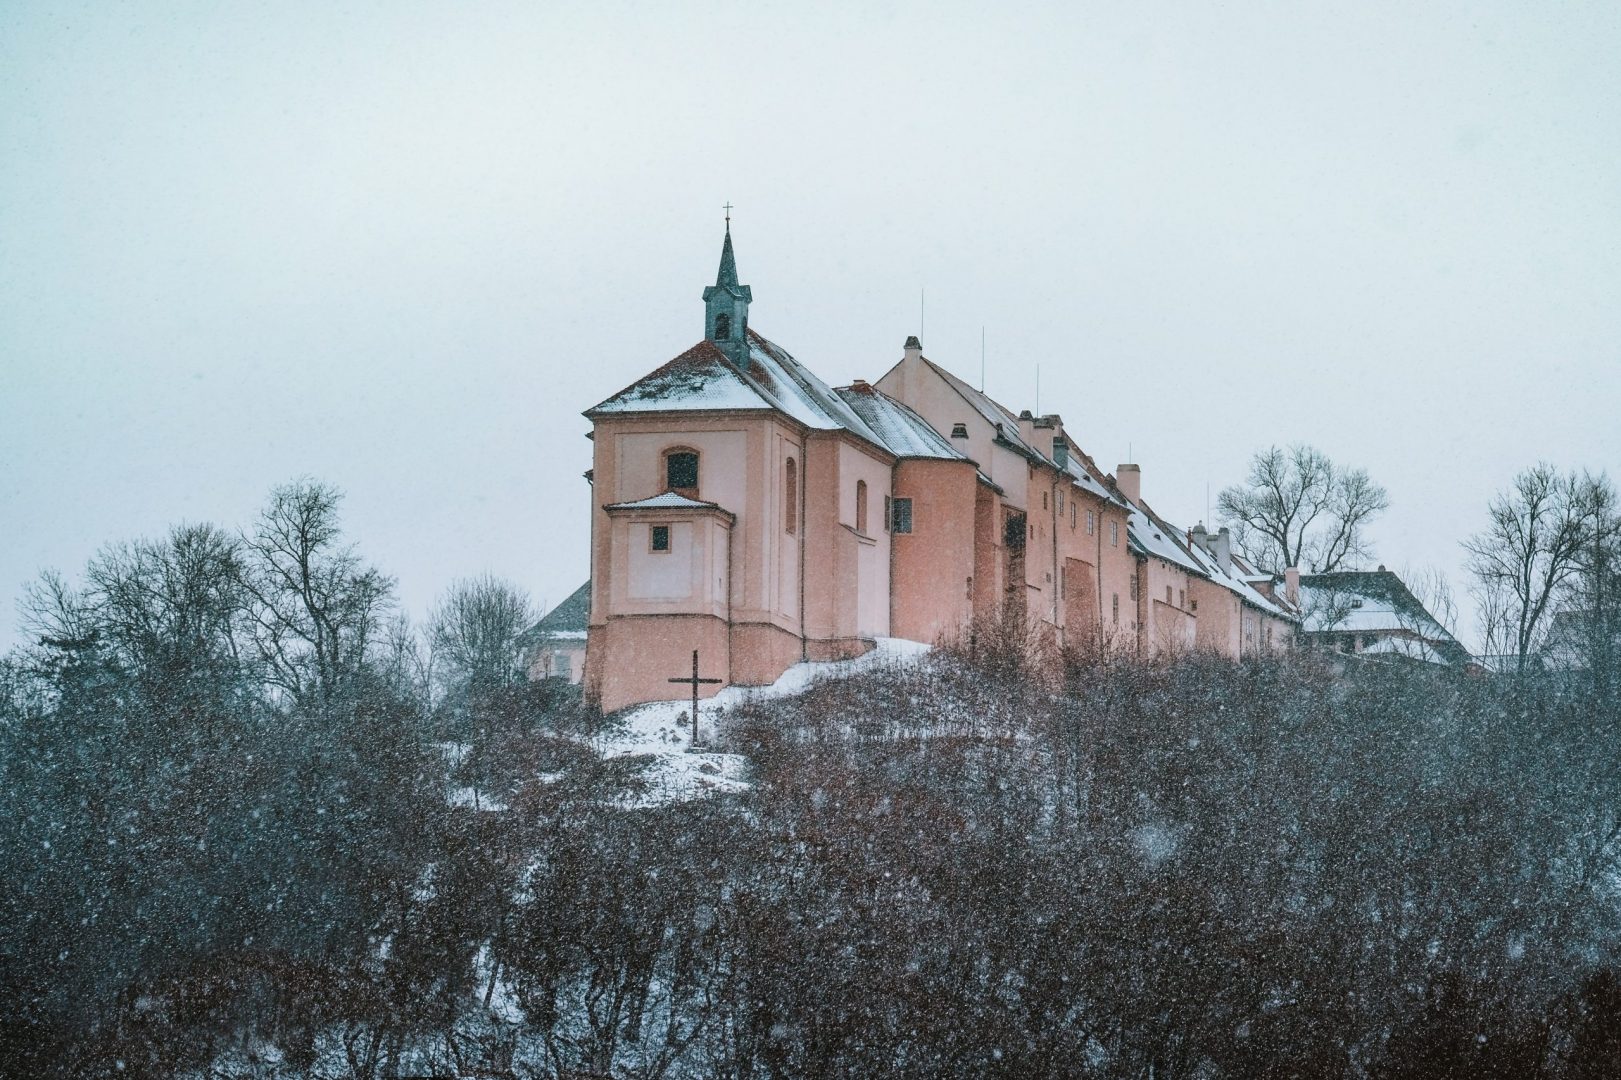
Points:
x=400 y=247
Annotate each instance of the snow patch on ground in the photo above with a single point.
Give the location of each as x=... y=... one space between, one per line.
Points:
x=662 y=730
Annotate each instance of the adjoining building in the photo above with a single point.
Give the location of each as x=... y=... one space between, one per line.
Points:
x=743 y=508
x=1374 y=615
x=554 y=648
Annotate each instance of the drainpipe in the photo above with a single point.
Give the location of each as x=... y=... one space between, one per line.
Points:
x=729 y=601
x=803 y=480
x=1052 y=500
x=1098 y=567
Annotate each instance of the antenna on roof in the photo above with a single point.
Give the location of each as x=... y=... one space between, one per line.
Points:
x=982 y=359
x=920 y=334
x=1038 y=389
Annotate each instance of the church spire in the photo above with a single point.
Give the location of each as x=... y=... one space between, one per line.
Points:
x=726 y=303
x=728 y=263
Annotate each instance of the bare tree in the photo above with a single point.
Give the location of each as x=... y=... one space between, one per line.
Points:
x=317 y=609
x=1529 y=551
x=475 y=631
x=1299 y=508
x=1591 y=600
x=1430 y=587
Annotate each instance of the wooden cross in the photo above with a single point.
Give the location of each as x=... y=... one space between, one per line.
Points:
x=695 y=682
x=728 y=209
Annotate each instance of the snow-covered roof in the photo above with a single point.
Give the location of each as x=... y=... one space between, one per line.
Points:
x=1087 y=478
x=700 y=378
x=1233 y=580
x=1368 y=601
x=1410 y=647
x=567 y=620
x=903 y=432
x=1158 y=539
x=794 y=389
x=997 y=415
x=705 y=378
x=667 y=501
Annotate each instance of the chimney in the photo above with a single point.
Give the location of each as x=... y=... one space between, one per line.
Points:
x=914 y=348
x=1129 y=478
x=1291 y=585
x=861 y=386
x=1223 y=550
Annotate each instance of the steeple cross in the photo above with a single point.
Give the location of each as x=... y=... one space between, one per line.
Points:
x=728 y=209
x=694 y=681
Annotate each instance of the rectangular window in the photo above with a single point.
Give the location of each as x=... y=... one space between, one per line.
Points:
x=1013 y=532
x=1181 y=598
x=901 y=515
x=1134 y=589
x=1072 y=513
x=661 y=538
x=1114 y=533
x=1091 y=522
x=1167 y=594
x=681 y=471
x=1117 y=609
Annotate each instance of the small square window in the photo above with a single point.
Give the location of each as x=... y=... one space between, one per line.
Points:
x=901 y=515
x=661 y=538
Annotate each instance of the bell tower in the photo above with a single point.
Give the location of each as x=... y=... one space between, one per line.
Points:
x=726 y=305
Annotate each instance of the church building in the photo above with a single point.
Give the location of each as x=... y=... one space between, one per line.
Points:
x=744 y=508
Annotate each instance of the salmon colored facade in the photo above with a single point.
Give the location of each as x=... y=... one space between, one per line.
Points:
x=744 y=509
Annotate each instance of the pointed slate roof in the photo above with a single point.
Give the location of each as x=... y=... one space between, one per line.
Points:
x=728 y=263
x=726 y=276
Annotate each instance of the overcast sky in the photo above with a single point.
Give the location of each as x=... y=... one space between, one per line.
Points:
x=400 y=247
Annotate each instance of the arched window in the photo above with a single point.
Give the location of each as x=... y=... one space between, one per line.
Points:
x=681 y=472
x=861 y=506
x=723 y=327
x=790 y=495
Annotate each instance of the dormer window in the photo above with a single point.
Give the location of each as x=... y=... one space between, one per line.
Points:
x=681 y=472
x=959 y=431
x=723 y=327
